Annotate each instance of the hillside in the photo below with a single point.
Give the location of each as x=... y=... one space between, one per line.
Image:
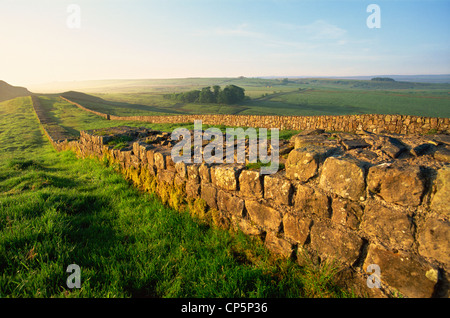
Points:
x=83 y=97
x=9 y=92
x=288 y=97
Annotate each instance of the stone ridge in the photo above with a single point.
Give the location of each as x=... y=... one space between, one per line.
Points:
x=360 y=199
x=399 y=124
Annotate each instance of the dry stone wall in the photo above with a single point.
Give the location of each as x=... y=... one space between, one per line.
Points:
x=359 y=199
x=399 y=124
x=328 y=203
x=57 y=135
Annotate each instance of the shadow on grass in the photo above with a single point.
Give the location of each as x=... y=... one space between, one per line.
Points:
x=111 y=107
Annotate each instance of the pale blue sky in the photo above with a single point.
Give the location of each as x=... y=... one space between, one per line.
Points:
x=215 y=38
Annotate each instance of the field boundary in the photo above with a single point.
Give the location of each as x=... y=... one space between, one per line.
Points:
x=54 y=132
x=361 y=214
x=376 y=123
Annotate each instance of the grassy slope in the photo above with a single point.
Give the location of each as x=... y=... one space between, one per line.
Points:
x=57 y=210
x=270 y=97
x=74 y=119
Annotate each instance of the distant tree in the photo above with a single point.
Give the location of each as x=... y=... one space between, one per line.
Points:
x=206 y=96
x=229 y=95
x=216 y=90
x=285 y=81
x=383 y=79
x=191 y=96
x=224 y=96
x=237 y=92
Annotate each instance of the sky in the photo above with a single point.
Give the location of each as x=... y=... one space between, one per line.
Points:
x=45 y=41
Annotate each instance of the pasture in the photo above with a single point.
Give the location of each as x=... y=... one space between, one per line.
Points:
x=301 y=97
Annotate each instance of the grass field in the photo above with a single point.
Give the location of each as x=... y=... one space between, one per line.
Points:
x=73 y=119
x=57 y=210
x=271 y=97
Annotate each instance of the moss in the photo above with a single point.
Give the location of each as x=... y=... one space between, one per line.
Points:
x=176 y=198
x=219 y=220
x=432 y=131
x=197 y=208
x=121 y=146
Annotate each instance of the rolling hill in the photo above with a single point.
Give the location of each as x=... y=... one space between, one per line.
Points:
x=9 y=92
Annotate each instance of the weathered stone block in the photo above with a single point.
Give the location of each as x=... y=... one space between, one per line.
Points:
x=306 y=140
x=311 y=201
x=403 y=272
x=137 y=149
x=303 y=163
x=192 y=172
x=444 y=139
x=296 y=227
x=335 y=243
x=166 y=176
x=135 y=162
x=354 y=144
x=344 y=177
x=143 y=154
x=179 y=182
x=346 y=213
x=170 y=164
x=160 y=160
x=350 y=279
x=278 y=189
x=390 y=146
x=263 y=216
x=204 y=172
x=209 y=194
x=150 y=157
x=126 y=158
x=442 y=154
x=226 y=177
x=248 y=228
x=440 y=202
x=230 y=203
x=390 y=226
x=180 y=168
x=434 y=240
x=399 y=184
x=278 y=245
x=251 y=183
x=192 y=189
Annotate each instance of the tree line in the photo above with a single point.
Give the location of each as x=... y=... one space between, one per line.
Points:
x=231 y=94
x=383 y=79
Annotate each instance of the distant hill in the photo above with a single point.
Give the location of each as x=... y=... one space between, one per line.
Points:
x=444 y=78
x=83 y=97
x=9 y=92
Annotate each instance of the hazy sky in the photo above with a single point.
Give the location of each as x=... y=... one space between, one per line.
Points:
x=119 y=39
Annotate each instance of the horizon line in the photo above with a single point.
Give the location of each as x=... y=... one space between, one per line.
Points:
x=237 y=77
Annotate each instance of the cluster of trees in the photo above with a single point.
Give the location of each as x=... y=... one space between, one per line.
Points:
x=383 y=79
x=231 y=94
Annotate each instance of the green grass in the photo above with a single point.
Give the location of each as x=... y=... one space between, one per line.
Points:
x=343 y=102
x=57 y=210
x=257 y=165
x=73 y=119
x=301 y=97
